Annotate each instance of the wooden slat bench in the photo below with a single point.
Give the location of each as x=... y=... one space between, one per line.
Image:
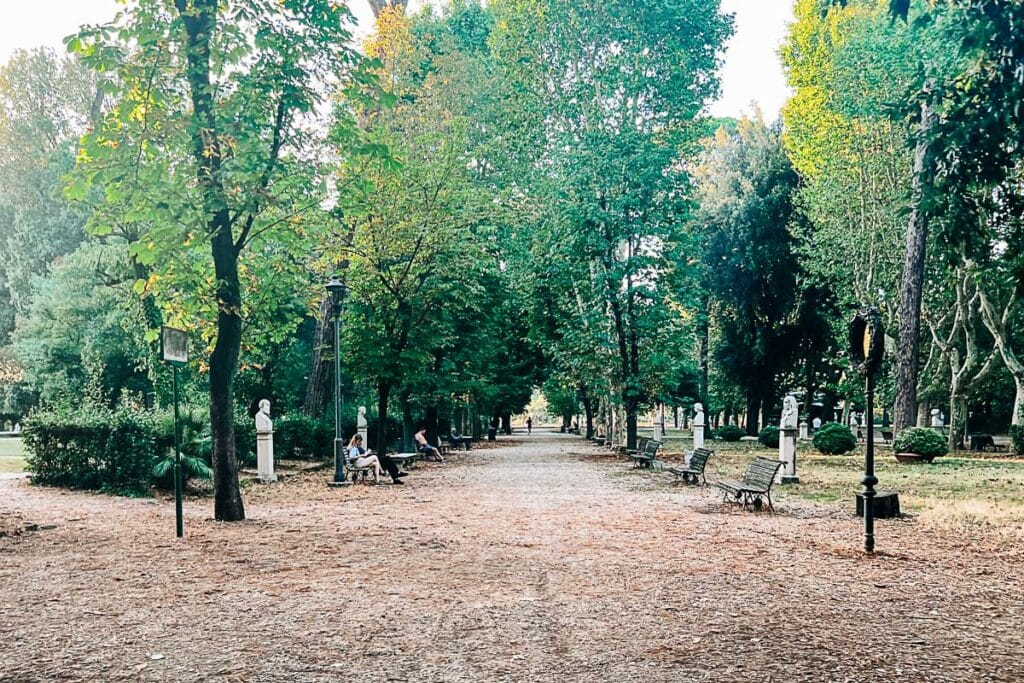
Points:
x=693 y=473
x=648 y=457
x=756 y=482
x=641 y=446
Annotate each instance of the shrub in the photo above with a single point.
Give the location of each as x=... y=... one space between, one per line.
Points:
x=1017 y=437
x=300 y=436
x=922 y=441
x=835 y=439
x=92 y=449
x=729 y=433
x=769 y=436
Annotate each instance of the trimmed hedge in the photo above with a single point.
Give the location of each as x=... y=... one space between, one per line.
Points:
x=769 y=437
x=729 y=433
x=92 y=449
x=922 y=441
x=835 y=439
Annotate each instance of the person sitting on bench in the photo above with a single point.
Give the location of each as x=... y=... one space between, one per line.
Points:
x=424 y=447
x=360 y=457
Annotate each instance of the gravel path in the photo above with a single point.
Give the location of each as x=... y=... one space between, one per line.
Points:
x=541 y=560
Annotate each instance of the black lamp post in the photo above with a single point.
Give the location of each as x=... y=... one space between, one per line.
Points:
x=336 y=288
x=867 y=343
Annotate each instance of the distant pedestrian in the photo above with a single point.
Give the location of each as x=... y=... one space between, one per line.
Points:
x=529 y=425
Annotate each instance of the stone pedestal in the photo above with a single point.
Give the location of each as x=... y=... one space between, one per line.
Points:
x=787 y=454
x=265 y=455
x=698 y=436
x=803 y=430
x=659 y=426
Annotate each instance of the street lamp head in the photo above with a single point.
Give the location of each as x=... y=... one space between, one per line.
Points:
x=336 y=288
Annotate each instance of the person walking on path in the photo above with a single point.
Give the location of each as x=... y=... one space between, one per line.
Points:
x=424 y=446
x=529 y=425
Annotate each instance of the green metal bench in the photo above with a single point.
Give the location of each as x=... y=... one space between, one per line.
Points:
x=693 y=473
x=647 y=457
x=755 y=483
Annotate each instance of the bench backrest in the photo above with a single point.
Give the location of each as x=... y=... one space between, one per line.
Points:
x=761 y=472
x=651 y=447
x=641 y=443
x=699 y=459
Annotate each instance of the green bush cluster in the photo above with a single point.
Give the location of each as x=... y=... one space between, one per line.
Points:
x=925 y=442
x=729 y=433
x=769 y=436
x=835 y=439
x=92 y=449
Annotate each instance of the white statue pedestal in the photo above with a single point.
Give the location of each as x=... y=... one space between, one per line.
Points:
x=698 y=436
x=787 y=454
x=803 y=431
x=265 y=455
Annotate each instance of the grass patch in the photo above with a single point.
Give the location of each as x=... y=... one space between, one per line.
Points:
x=951 y=492
x=12 y=458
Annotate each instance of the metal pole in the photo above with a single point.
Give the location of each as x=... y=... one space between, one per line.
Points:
x=339 y=445
x=178 y=484
x=870 y=480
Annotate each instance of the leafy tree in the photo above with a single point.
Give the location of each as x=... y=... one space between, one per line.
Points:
x=616 y=88
x=747 y=188
x=210 y=157
x=46 y=102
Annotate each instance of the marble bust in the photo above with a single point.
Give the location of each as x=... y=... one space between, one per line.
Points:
x=698 y=414
x=790 y=413
x=263 y=422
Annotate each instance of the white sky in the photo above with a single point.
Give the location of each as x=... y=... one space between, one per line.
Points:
x=752 y=72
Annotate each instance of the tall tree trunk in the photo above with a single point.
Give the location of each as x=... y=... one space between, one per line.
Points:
x=378 y=5
x=433 y=433
x=408 y=428
x=199 y=18
x=588 y=410
x=753 y=411
x=321 y=366
x=905 y=407
x=383 y=395
x=703 y=342
x=506 y=423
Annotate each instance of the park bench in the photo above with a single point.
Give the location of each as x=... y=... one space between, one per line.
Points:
x=456 y=441
x=887 y=436
x=756 y=482
x=694 y=471
x=648 y=457
x=641 y=445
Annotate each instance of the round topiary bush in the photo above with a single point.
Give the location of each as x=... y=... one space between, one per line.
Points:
x=729 y=433
x=925 y=442
x=769 y=436
x=835 y=439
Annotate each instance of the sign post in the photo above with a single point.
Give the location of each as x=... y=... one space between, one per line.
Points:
x=174 y=352
x=867 y=344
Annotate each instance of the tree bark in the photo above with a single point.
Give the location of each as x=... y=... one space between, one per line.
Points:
x=383 y=394
x=506 y=423
x=905 y=407
x=378 y=5
x=318 y=386
x=588 y=411
x=408 y=428
x=199 y=18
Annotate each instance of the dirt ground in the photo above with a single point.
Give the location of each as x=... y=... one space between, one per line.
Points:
x=538 y=561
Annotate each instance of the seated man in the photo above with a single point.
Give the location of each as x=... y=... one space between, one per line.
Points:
x=456 y=439
x=424 y=447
